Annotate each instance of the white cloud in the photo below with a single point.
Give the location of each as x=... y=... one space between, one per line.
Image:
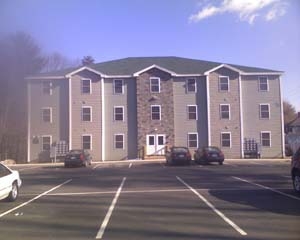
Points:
x=247 y=10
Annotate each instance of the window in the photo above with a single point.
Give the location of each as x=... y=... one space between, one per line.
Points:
x=119 y=141
x=87 y=142
x=225 y=111
x=192 y=112
x=155 y=112
x=265 y=139
x=226 y=139
x=191 y=85
x=264 y=110
x=118 y=86
x=119 y=113
x=87 y=114
x=193 y=140
x=46 y=143
x=86 y=86
x=224 y=84
x=155 y=85
x=263 y=84
x=47 y=87
x=47 y=114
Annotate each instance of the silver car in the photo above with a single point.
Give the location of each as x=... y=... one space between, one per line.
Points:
x=10 y=182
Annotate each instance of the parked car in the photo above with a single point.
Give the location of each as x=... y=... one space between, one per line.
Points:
x=209 y=154
x=295 y=170
x=178 y=155
x=10 y=182
x=78 y=157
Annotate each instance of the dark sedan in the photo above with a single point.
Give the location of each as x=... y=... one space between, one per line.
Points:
x=295 y=170
x=209 y=154
x=78 y=157
x=178 y=155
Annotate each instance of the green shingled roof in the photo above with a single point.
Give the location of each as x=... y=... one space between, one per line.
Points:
x=178 y=65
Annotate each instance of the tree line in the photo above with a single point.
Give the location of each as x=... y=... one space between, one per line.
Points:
x=21 y=56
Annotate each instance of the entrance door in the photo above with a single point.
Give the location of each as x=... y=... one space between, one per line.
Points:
x=156 y=144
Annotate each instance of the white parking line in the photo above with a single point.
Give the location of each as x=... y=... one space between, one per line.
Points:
x=130 y=165
x=35 y=198
x=226 y=219
x=110 y=210
x=268 y=188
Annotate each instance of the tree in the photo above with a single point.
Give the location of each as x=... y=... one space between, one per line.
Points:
x=289 y=112
x=57 y=61
x=20 y=56
x=87 y=60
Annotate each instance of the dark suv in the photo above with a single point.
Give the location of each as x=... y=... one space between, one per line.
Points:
x=295 y=170
x=78 y=157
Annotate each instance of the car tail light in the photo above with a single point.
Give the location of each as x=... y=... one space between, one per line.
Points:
x=81 y=157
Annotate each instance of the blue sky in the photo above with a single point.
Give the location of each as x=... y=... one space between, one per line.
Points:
x=261 y=33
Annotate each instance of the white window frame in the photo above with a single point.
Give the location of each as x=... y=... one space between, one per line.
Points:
x=115 y=142
x=260 y=112
x=114 y=86
x=220 y=84
x=230 y=139
x=91 y=113
x=91 y=141
x=188 y=139
x=188 y=112
x=47 y=87
x=229 y=114
x=151 y=84
x=260 y=84
x=90 y=86
x=123 y=118
x=47 y=108
x=261 y=138
x=50 y=144
x=187 y=85
x=159 y=112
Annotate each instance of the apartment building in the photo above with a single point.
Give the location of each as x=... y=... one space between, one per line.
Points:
x=126 y=108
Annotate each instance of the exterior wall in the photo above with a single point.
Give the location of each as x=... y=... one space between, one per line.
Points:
x=218 y=125
x=126 y=127
x=58 y=128
x=144 y=101
x=253 y=125
x=79 y=100
x=181 y=100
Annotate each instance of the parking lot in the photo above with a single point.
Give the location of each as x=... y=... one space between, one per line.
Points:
x=242 y=199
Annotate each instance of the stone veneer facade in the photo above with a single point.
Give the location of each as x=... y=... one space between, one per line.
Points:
x=144 y=101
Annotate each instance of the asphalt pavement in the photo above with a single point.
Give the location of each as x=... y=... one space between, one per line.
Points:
x=242 y=199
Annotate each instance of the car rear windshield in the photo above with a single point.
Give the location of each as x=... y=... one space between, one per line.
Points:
x=75 y=152
x=180 y=150
x=212 y=149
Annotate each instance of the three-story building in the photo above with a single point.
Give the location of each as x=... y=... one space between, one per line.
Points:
x=122 y=108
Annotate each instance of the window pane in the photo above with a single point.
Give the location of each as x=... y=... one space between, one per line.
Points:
x=86 y=88
x=119 y=141
x=151 y=140
x=265 y=139
x=191 y=85
x=225 y=112
x=46 y=143
x=119 y=114
x=118 y=86
x=224 y=84
x=263 y=84
x=46 y=115
x=264 y=111
x=86 y=142
x=192 y=112
x=155 y=112
x=160 y=140
x=47 y=87
x=225 y=140
x=86 y=114
x=192 y=140
x=155 y=84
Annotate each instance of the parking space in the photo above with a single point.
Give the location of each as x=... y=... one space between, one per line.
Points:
x=138 y=200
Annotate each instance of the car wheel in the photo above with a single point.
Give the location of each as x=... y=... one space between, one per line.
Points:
x=14 y=192
x=296 y=183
